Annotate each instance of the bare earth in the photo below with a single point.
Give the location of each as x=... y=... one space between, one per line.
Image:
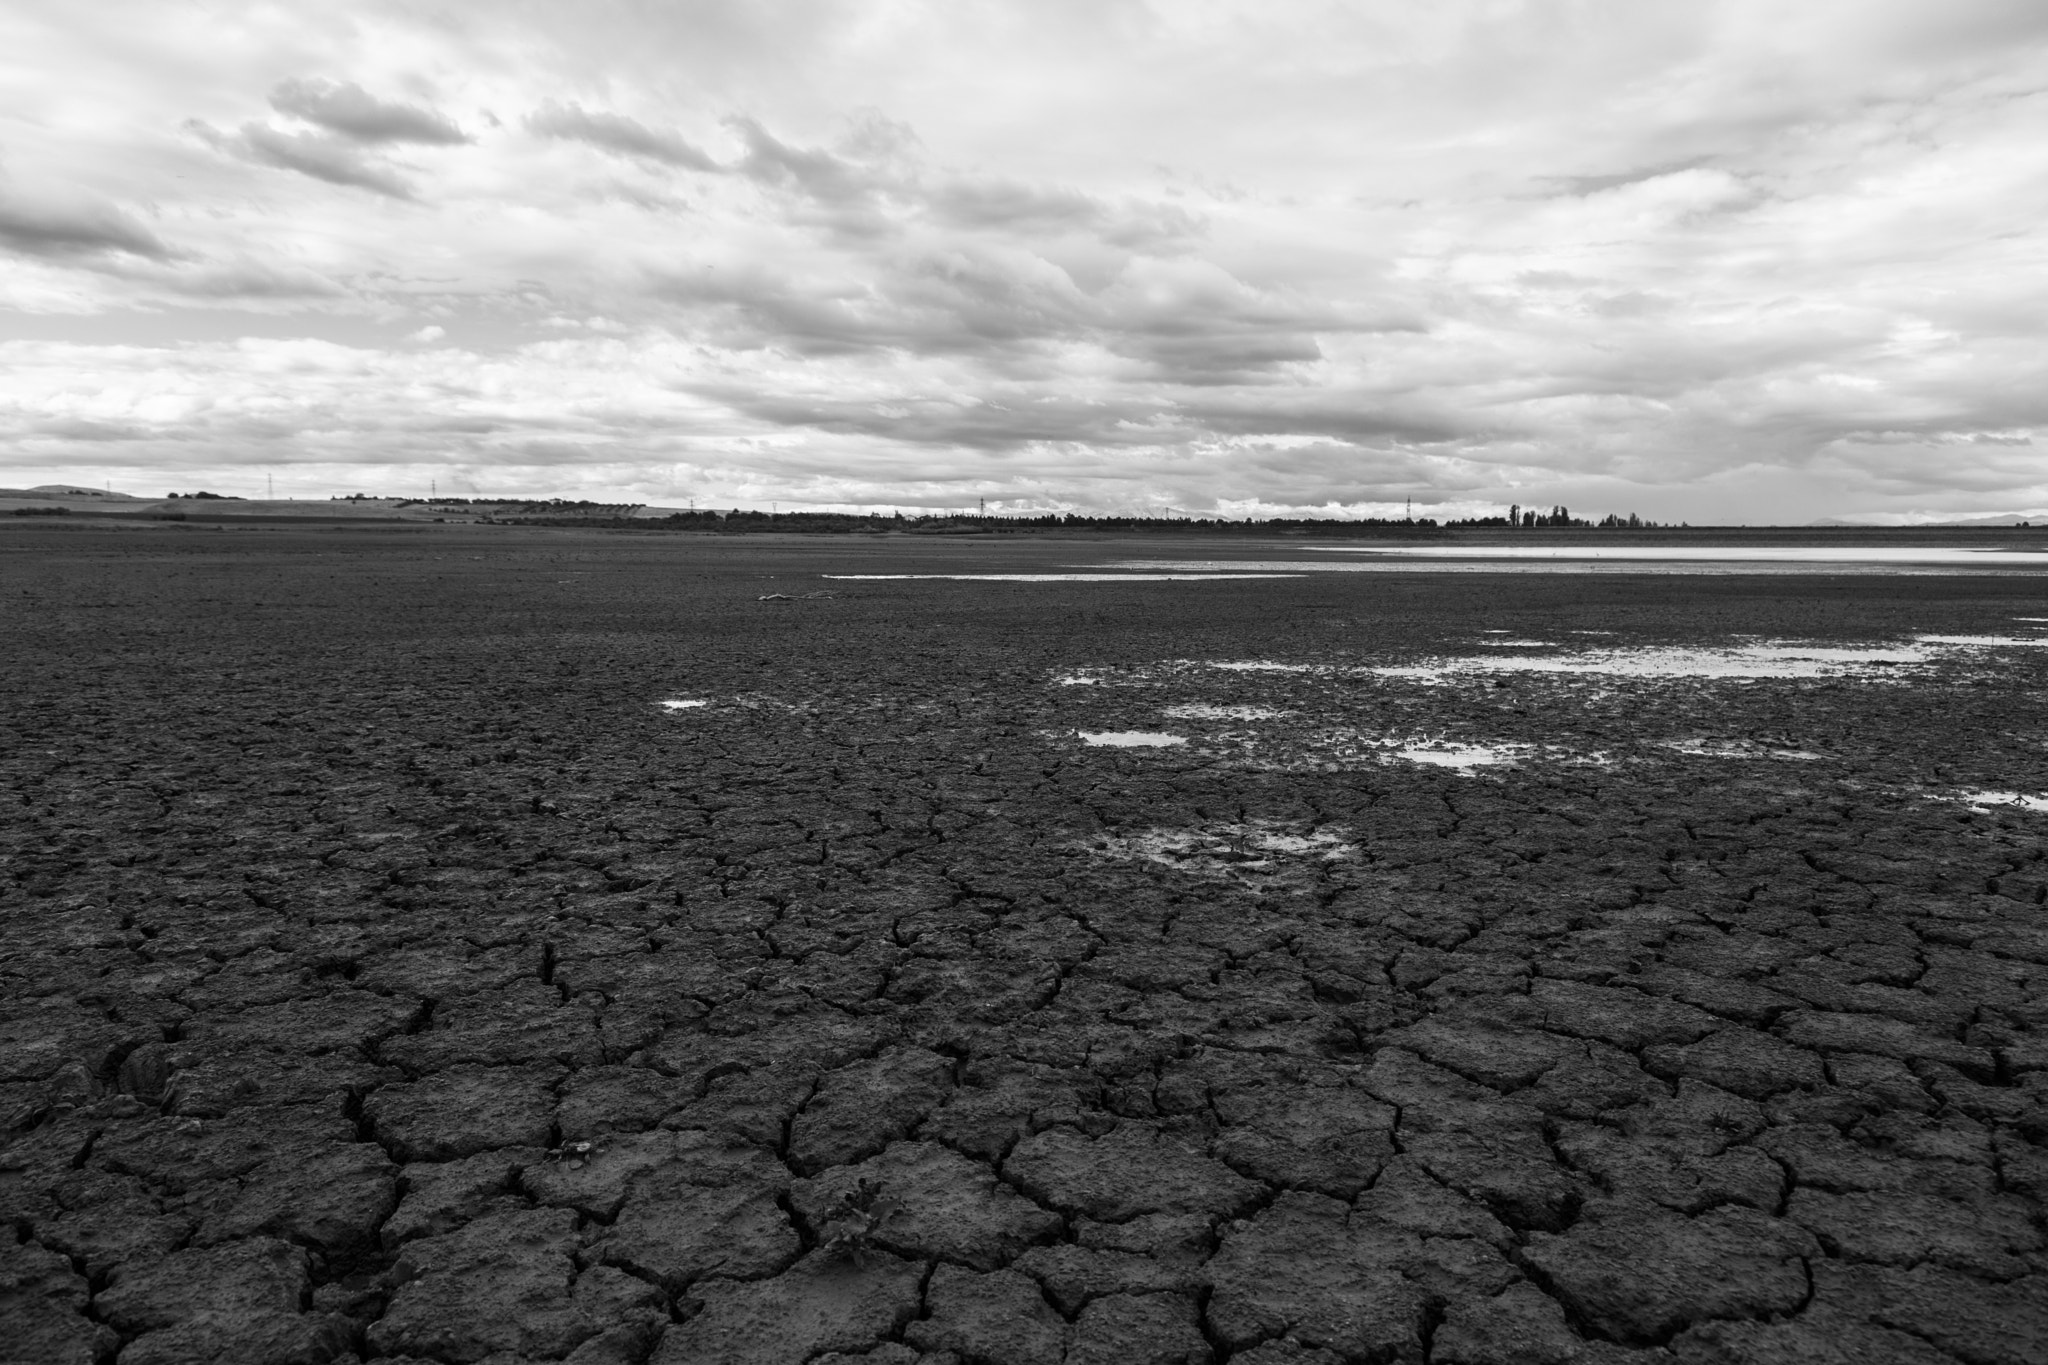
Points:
x=390 y=973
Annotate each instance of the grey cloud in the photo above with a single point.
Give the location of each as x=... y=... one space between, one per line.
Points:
x=353 y=113
x=1353 y=419
x=620 y=135
x=1219 y=355
x=991 y=425
x=1010 y=308
x=879 y=190
x=1013 y=204
x=258 y=280
x=819 y=174
x=855 y=200
x=1580 y=186
x=310 y=154
x=991 y=204
x=85 y=429
x=1045 y=415
x=57 y=231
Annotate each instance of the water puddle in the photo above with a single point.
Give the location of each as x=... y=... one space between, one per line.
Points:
x=1463 y=758
x=1198 y=710
x=1645 y=559
x=1261 y=666
x=1709 y=554
x=1059 y=577
x=1519 y=644
x=1130 y=739
x=2004 y=801
x=1984 y=641
x=1741 y=661
x=687 y=704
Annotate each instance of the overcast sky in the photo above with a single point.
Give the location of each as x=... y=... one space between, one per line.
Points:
x=1702 y=260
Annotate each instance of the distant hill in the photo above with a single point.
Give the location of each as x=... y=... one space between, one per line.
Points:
x=68 y=490
x=2004 y=519
x=1997 y=519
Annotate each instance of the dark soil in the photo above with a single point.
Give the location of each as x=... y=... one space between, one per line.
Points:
x=387 y=974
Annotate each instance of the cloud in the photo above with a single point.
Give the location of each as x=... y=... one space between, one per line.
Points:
x=1710 y=258
x=618 y=135
x=1583 y=185
x=815 y=172
x=86 y=429
x=349 y=111
x=67 y=227
x=310 y=154
x=255 y=280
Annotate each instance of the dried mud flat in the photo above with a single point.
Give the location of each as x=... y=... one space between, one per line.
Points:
x=393 y=970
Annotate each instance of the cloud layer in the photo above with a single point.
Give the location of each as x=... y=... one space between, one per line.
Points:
x=1716 y=262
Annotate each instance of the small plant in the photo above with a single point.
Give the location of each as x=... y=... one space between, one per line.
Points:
x=850 y=1227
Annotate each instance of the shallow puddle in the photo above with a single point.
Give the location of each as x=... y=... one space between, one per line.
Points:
x=1984 y=641
x=1741 y=661
x=684 y=704
x=1061 y=577
x=1463 y=757
x=1260 y=666
x=2004 y=801
x=1672 y=559
x=1130 y=739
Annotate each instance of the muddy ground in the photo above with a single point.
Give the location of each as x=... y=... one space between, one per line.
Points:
x=389 y=974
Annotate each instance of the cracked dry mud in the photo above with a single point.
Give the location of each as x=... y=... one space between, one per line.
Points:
x=389 y=974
